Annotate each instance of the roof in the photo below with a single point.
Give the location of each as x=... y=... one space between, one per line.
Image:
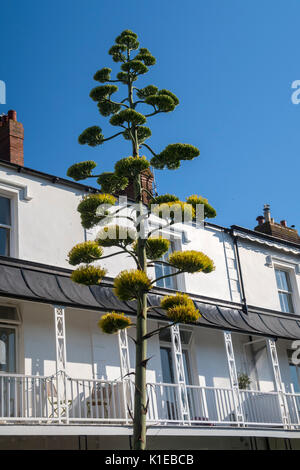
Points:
x=41 y=283
x=52 y=178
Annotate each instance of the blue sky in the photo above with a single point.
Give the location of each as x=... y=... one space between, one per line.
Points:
x=231 y=64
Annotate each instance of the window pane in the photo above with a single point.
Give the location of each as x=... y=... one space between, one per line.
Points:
x=7 y=350
x=186 y=365
x=165 y=335
x=163 y=270
x=166 y=364
x=286 y=303
x=159 y=273
x=5 y=211
x=294 y=378
x=4 y=241
x=282 y=280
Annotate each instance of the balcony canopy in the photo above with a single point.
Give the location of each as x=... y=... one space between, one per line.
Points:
x=40 y=283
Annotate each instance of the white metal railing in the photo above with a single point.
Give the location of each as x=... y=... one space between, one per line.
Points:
x=61 y=399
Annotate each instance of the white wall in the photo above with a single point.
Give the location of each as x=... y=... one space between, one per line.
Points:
x=48 y=225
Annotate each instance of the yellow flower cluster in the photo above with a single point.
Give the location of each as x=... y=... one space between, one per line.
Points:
x=209 y=211
x=116 y=235
x=113 y=322
x=88 y=275
x=180 y=308
x=130 y=284
x=175 y=210
x=86 y=252
x=156 y=247
x=191 y=261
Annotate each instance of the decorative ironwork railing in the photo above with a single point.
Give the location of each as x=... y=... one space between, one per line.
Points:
x=61 y=399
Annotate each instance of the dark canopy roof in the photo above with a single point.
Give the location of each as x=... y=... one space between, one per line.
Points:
x=24 y=281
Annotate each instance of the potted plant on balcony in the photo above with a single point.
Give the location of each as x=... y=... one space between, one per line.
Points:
x=244 y=381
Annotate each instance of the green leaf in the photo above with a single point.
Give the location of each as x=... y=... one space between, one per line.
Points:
x=145 y=56
x=123 y=77
x=129 y=39
x=143 y=133
x=164 y=198
x=134 y=66
x=89 y=205
x=116 y=52
x=111 y=183
x=156 y=247
x=103 y=92
x=173 y=154
x=164 y=103
x=106 y=108
x=209 y=211
x=147 y=91
x=131 y=166
x=129 y=116
x=102 y=75
x=92 y=136
x=82 y=170
x=170 y=94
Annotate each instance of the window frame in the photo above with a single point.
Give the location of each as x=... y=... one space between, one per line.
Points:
x=14 y=325
x=290 y=293
x=8 y=227
x=178 y=281
x=13 y=228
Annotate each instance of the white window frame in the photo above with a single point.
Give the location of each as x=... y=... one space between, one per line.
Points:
x=13 y=228
x=290 y=271
x=178 y=281
x=13 y=325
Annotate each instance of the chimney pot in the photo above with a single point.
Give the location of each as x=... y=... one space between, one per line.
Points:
x=12 y=115
x=283 y=223
x=260 y=219
x=267 y=213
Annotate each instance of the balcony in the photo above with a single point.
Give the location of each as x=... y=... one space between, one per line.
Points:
x=59 y=399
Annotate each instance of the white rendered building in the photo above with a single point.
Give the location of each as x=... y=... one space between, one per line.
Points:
x=62 y=380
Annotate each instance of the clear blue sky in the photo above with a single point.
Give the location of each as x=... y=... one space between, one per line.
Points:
x=230 y=62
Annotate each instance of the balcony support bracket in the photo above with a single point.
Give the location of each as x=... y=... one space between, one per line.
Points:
x=233 y=378
x=180 y=374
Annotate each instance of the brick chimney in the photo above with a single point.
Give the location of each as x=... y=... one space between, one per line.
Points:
x=280 y=230
x=147 y=180
x=11 y=138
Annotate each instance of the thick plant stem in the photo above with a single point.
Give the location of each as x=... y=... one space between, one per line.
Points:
x=140 y=395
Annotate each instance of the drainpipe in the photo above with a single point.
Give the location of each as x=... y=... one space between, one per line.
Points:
x=239 y=271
